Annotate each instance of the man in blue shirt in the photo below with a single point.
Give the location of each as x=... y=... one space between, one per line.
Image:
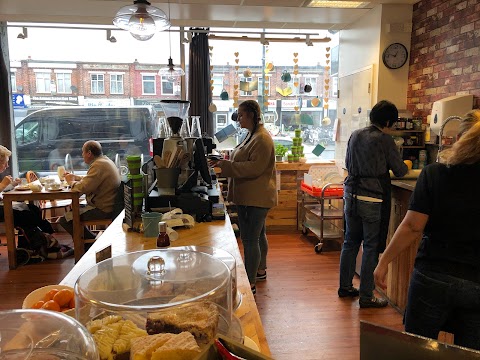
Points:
x=371 y=153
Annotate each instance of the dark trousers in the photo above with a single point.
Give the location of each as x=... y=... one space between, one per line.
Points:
x=438 y=302
x=27 y=216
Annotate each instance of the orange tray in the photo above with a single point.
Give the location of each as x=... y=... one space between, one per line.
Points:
x=314 y=191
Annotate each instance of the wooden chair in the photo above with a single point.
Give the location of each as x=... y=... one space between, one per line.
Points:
x=93 y=225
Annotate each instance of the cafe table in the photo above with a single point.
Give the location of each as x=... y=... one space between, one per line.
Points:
x=28 y=195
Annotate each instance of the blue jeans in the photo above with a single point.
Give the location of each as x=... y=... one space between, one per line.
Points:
x=362 y=222
x=251 y=221
x=442 y=302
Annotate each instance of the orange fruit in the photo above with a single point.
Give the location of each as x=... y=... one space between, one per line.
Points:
x=49 y=295
x=51 y=305
x=38 y=304
x=63 y=297
x=71 y=304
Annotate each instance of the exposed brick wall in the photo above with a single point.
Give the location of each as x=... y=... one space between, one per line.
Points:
x=445 y=53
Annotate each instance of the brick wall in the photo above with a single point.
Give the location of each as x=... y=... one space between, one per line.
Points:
x=445 y=53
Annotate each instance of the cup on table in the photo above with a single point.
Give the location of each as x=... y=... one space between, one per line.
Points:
x=55 y=186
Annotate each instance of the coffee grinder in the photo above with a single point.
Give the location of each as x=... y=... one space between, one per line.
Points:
x=188 y=197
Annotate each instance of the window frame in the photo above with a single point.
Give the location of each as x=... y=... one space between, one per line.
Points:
x=164 y=80
x=154 y=80
x=45 y=77
x=117 y=82
x=68 y=87
x=97 y=81
x=13 y=81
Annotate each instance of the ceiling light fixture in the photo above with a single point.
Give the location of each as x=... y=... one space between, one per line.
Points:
x=171 y=72
x=111 y=38
x=337 y=4
x=23 y=34
x=141 y=19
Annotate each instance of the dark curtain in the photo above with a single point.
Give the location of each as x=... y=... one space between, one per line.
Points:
x=199 y=92
x=5 y=97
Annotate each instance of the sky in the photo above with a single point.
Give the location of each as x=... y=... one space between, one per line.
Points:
x=92 y=46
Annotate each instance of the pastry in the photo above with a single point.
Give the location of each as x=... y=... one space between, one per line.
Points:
x=113 y=335
x=200 y=319
x=164 y=346
x=180 y=347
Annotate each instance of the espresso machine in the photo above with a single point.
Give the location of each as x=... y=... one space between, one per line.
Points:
x=182 y=176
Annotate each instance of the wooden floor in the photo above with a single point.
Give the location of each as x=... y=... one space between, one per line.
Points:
x=300 y=310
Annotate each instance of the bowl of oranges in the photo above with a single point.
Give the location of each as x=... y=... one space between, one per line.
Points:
x=60 y=298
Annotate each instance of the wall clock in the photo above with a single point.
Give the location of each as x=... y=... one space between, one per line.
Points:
x=395 y=56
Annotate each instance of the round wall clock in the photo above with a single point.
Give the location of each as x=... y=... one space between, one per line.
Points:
x=395 y=56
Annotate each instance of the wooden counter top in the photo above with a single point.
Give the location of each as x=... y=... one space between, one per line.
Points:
x=301 y=166
x=405 y=184
x=218 y=234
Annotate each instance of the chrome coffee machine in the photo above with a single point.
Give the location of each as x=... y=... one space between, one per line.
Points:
x=182 y=176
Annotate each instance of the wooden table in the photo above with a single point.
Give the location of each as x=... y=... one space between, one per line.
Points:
x=29 y=195
x=218 y=234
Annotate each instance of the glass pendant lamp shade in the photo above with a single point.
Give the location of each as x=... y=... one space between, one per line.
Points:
x=141 y=19
x=171 y=72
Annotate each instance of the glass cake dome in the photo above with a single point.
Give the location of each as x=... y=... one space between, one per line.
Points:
x=146 y=286
x=43 y=334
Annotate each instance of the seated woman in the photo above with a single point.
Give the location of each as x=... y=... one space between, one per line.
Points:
x=27 y=217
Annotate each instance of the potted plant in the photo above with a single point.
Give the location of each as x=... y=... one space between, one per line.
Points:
x=280 y=151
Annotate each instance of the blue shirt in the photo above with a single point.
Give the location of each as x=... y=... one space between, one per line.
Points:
x=370 y=155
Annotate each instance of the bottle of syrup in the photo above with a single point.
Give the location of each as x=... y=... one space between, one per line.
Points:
x=163 y=239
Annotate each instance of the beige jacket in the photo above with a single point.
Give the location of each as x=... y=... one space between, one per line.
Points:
x=251 y=171
x=100 y=184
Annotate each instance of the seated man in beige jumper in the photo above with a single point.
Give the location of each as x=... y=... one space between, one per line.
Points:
x=100 y=185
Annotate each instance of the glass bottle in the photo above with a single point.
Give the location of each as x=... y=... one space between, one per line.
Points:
x=163 y=239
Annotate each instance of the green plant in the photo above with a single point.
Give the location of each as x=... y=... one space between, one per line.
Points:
x=280 y=150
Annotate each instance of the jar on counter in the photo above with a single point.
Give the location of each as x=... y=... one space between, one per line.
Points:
x=417 y=124
x=408 y=124
x=400 y=125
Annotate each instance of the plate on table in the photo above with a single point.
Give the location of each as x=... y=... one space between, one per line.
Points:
x=22 y=188
x=54 y=190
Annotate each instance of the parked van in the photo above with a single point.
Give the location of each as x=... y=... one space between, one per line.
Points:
x=46 y=136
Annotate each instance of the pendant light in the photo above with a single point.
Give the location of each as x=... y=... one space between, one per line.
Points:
x=141 y=19
x=171 y=72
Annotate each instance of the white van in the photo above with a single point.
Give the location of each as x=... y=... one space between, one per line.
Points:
x=46 y=136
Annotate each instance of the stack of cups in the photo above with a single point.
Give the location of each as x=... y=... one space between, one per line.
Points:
x=297 y=147
x=134 y=163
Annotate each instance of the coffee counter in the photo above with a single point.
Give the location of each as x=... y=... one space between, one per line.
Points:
x=218 y=234
x=400 y=269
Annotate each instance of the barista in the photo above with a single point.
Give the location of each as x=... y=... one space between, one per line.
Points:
x=371 y=153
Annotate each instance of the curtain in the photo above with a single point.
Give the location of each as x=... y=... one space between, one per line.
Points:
x=199 y=91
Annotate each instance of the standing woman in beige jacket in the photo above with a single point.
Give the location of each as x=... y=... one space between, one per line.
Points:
x=252 y=188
